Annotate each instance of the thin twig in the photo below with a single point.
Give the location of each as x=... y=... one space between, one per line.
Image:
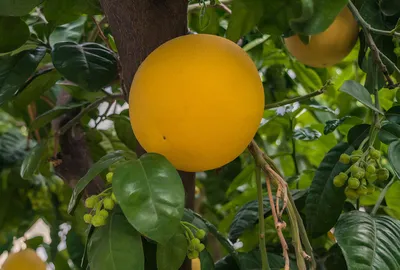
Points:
x=296 y=99
x=100 y=31
x=371 y=43
x=263 y=250
x=92 y=106
x=48 y=101
x=278 y=225
x=196 y=6
x=382 y=195
x=224 y=7
x=32 y=116
x=394 y=66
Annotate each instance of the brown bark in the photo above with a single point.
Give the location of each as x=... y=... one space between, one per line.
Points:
x=138 y=27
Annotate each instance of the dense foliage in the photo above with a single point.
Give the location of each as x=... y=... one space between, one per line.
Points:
x=315 y=119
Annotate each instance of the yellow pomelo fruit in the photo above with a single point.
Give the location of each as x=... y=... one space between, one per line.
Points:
x=196 y=264
x=24 y=260
x=329 y=47
x=198 y=100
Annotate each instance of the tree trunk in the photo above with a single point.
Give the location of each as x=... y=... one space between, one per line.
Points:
x=139 y=27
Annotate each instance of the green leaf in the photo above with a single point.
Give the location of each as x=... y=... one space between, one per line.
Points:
x=243 y=177
x=368 y=242
x=306 y=134
x=325 y=201
x=36 y=88
x=16 y=69
x=307 y=76
x=335 y=259
x=94 y=170
x=332 y=125
x=394 y=156
x=116 y=246
x=90 y=65
x=170 y=256
x=124 y=130
x=68 y=32
x=389 y=133
x=48 y=116
x=151 y=195
x=360 y=93
x=393 y=114
x=245 y=16
x=208 y=24
x=75 y=248
x=32 y=160
x=206 y=261
x=34 y=242
x=12 y=148
x=323 y=15
x=13 y=37
x=17 y=7
x=389 y=7
x=392 y=196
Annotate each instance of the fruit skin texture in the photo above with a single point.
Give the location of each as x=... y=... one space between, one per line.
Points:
x=198 y=100
x=24 y=260
x=196 y=264
x=329 y=47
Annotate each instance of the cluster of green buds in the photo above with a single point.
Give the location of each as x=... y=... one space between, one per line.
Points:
x=100 y=205
x=361 y=176
x=195 y=246
x=40 y=198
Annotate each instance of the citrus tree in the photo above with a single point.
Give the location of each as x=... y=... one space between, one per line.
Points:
x=272 y=132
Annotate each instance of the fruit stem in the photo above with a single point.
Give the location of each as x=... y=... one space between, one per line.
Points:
x=382 y=195
x=263 y=249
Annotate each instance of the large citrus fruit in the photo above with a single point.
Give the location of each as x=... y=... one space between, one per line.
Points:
x=197 y=100
x=24 y=260
x=329 y=47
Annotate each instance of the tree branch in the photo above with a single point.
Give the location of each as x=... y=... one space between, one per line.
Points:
x=263 y=249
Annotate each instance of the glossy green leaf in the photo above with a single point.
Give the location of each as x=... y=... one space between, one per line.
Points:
x=392 y=196
x=359 y=92
x=206 y=261
x=68 y=32
x=48 y=116
x=245 y=15
x=332 y=125
x=34 y=242
x=17 y=7
x=369 y=242
x=325 y=201
x=75 y=248
x=36 y=88
x=394 y=156
x=32 y=160
x=116 y=246
x=335 y=259
x=124 y=130
x=13 y=37
x=12 y=148
x=170 y=256
x=324 y=13
x=151 y=195
x=16 y=69
x=307 y=76
x=357 y=134
x=242 y=178
x=306 y=134
x=90 y=65
x=393 y=114
x=389 y=7
x=94 y=170
x=389 y=133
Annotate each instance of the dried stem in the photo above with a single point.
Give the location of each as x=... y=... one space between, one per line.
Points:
x=101 y=33
x=278 y=225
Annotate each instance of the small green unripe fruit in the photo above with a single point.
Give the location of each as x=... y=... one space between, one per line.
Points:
x=338 y=181
x=108 y=203
x=371 y=168
x=98 y=220
x=372 y=162
x=351 y=193
x=354 y=169
x=113 y=197
x=375 y=154
x=383 y=174
x=344 y=158
x=193 y=254
x=195 y=241
x=362 y=190
x=91 y=201
x=87 y=218
x=357 y=153
x=360 y=174
x=200 y=247
x=353 y=183
x=200 y=234
x=109 y=177
x=103 y=213
x=371 y=177
x=371 y=189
